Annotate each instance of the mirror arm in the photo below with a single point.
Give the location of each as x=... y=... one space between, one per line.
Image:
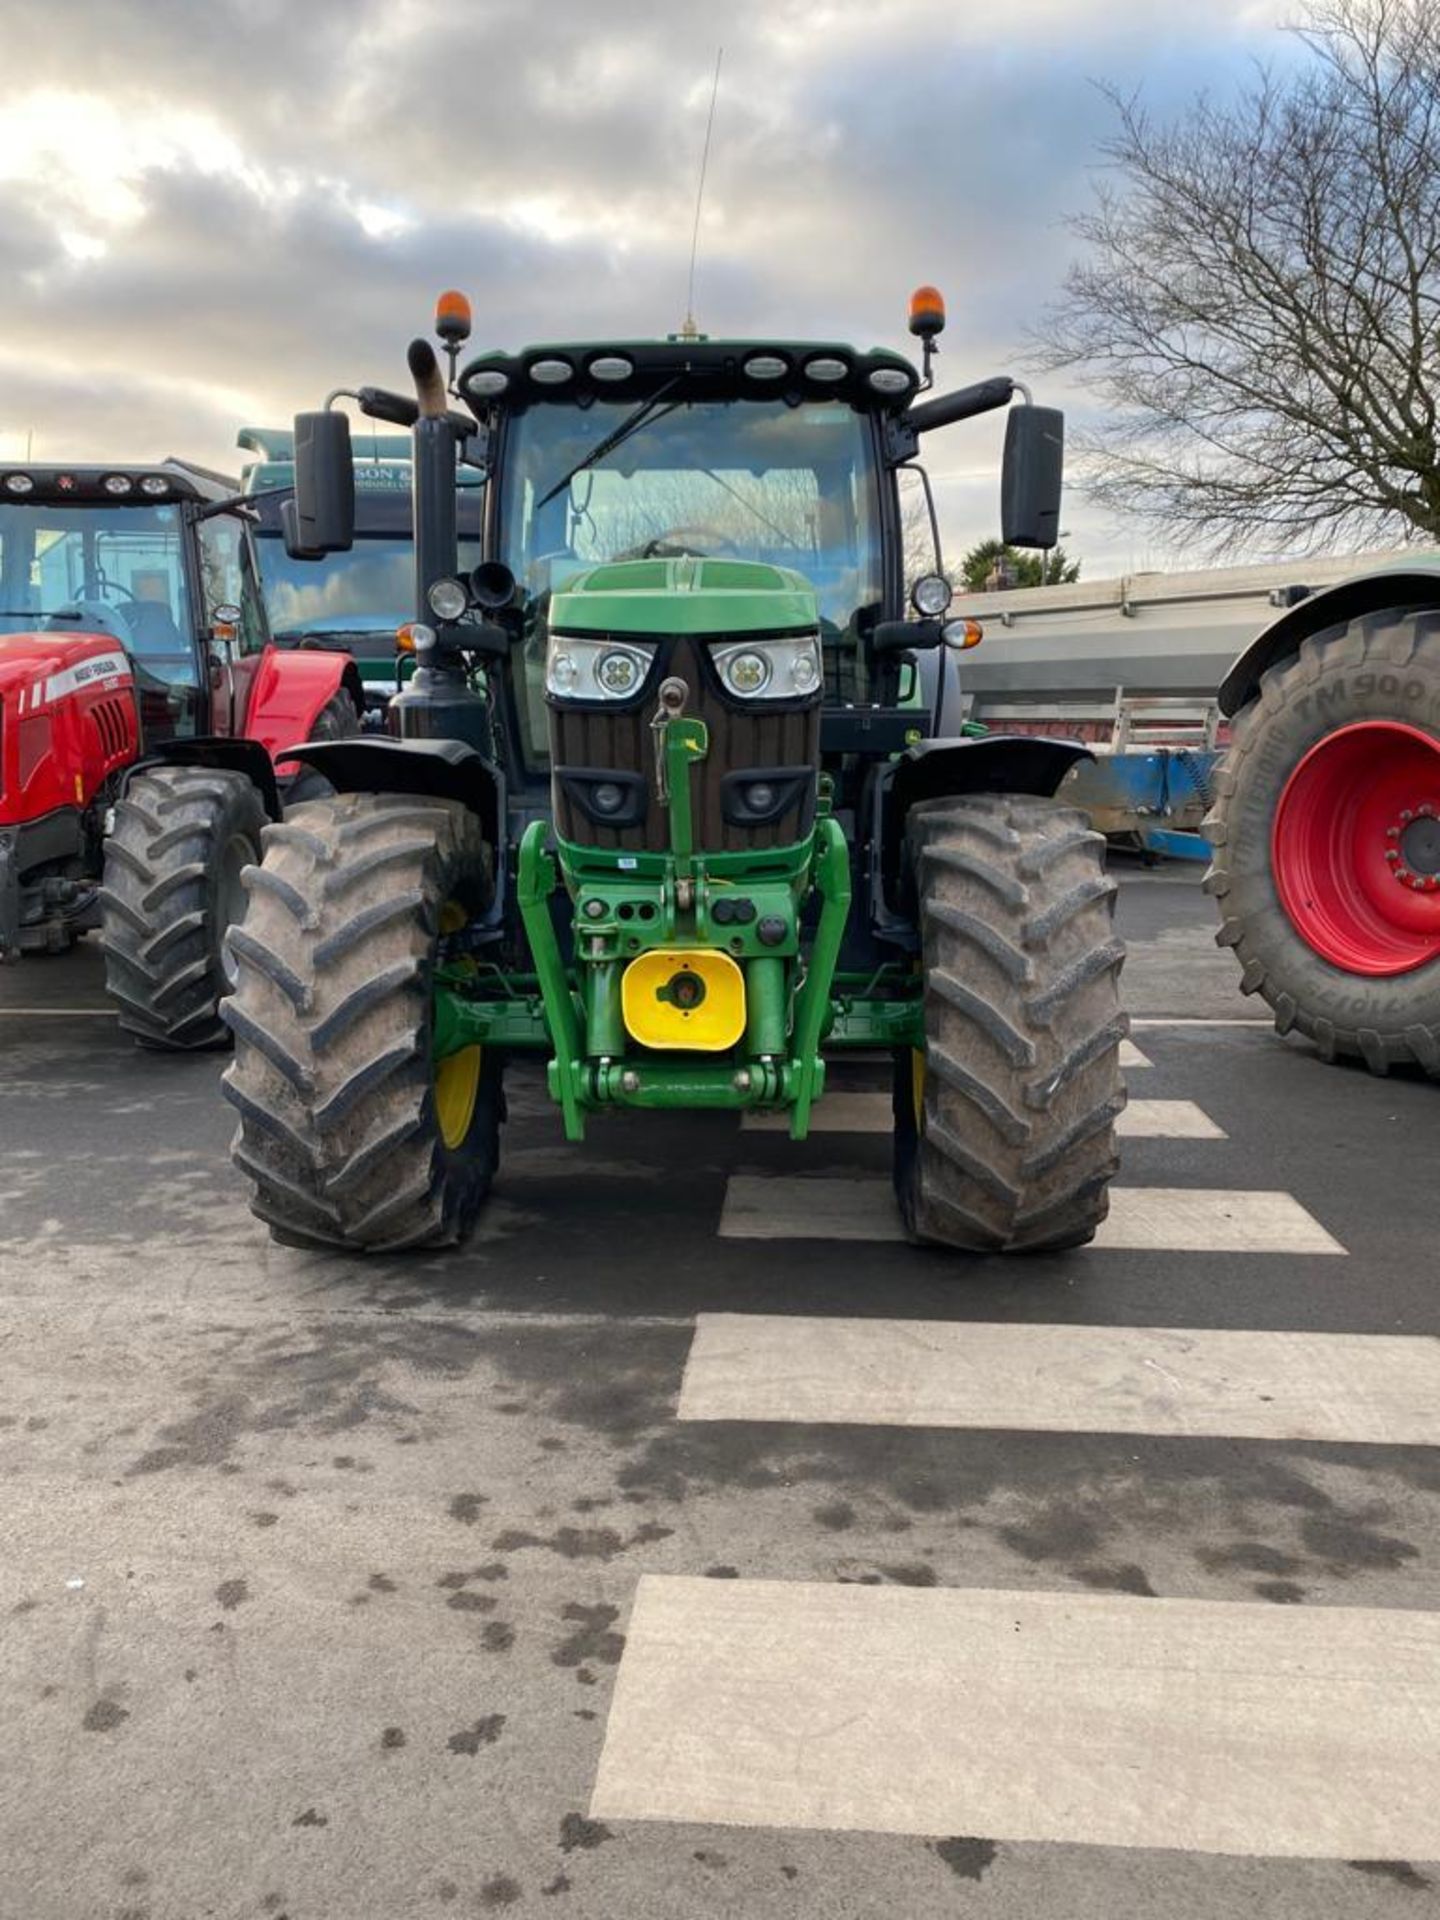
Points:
x=906 y=636
x=984 y=397
x=902 y=430
x=379 y=404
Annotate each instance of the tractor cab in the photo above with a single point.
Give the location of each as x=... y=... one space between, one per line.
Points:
x=139 y=557
x=694 y=454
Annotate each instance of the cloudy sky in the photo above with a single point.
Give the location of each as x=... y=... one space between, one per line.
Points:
x=211 y=211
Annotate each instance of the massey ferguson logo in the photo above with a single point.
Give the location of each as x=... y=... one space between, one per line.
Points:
x=88 y=673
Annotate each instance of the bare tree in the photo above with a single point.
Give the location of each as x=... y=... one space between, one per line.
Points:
x=1259 y=309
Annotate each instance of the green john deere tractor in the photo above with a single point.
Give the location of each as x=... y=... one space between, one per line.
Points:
x=663 y=804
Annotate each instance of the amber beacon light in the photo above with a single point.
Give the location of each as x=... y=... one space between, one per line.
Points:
x=927 y=312
x=452 y=317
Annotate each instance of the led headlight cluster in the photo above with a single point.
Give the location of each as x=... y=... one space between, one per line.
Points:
x=770 y=669
x=578 y=668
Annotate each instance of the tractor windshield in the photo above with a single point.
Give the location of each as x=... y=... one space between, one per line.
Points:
x=757 y=479
x=98 y=569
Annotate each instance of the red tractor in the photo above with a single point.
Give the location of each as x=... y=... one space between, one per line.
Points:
x=144 y=716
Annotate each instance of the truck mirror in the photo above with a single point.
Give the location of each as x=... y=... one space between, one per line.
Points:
x=324 y=483
x=1032 y=476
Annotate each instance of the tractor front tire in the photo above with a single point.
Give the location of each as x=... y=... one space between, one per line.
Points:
x=171 y=889
x=1005 y=1126
x=349 y=1132
x=1326 y=841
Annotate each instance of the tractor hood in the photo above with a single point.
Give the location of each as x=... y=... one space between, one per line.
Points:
x=47 y=666
x=685 y=596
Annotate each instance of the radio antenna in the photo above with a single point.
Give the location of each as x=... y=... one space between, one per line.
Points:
x=690 y=331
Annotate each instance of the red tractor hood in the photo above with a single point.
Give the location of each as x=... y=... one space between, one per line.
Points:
x=39 y=668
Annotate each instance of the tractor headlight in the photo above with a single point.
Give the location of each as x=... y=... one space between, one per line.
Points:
x=931 y=595
x=447 y=599
x=771 y=669
x=577 y=668
x=620 y=671
x=744 y=672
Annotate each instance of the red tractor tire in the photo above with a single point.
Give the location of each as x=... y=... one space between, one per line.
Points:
x=1326 y=838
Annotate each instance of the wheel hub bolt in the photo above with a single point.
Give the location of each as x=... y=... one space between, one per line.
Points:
x=1392 y=833
x=1393 y=856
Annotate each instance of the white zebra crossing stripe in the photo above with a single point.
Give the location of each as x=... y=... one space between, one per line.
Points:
x=1166 y=1120
x=1206 y=1220
x=871 y=1113
x=1147 y=1219
x=1098 y=1718
x=1131 y=1056
x=1374 y=1389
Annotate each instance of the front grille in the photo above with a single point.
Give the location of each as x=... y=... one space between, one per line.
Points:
x=112 y=723
x=598 y=740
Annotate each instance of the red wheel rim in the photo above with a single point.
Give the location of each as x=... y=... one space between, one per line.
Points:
x=1355 y=848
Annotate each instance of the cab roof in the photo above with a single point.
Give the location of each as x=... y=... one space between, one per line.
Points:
x=51 y=480
x=701 y=368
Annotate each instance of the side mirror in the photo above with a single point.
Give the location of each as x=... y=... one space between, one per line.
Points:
x=1032 y=477
x=290 y=534
x=324 y=484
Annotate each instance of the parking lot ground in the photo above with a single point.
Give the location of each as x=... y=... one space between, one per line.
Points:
x=690 y=1545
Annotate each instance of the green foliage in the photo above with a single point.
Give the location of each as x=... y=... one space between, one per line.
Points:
x=1052 y=569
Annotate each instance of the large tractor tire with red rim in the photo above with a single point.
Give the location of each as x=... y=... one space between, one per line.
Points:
x=1326 y=837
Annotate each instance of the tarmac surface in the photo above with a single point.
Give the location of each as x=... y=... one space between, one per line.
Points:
x=626 y=1563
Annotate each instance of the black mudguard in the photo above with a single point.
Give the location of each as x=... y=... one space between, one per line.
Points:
x=935 y=769
x=995 y=763
x=437 y=769
x=221 y=751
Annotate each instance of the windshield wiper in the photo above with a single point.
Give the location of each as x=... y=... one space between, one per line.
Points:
x=644 y=415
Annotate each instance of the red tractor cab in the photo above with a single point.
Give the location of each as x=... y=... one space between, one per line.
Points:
x=144 y=718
